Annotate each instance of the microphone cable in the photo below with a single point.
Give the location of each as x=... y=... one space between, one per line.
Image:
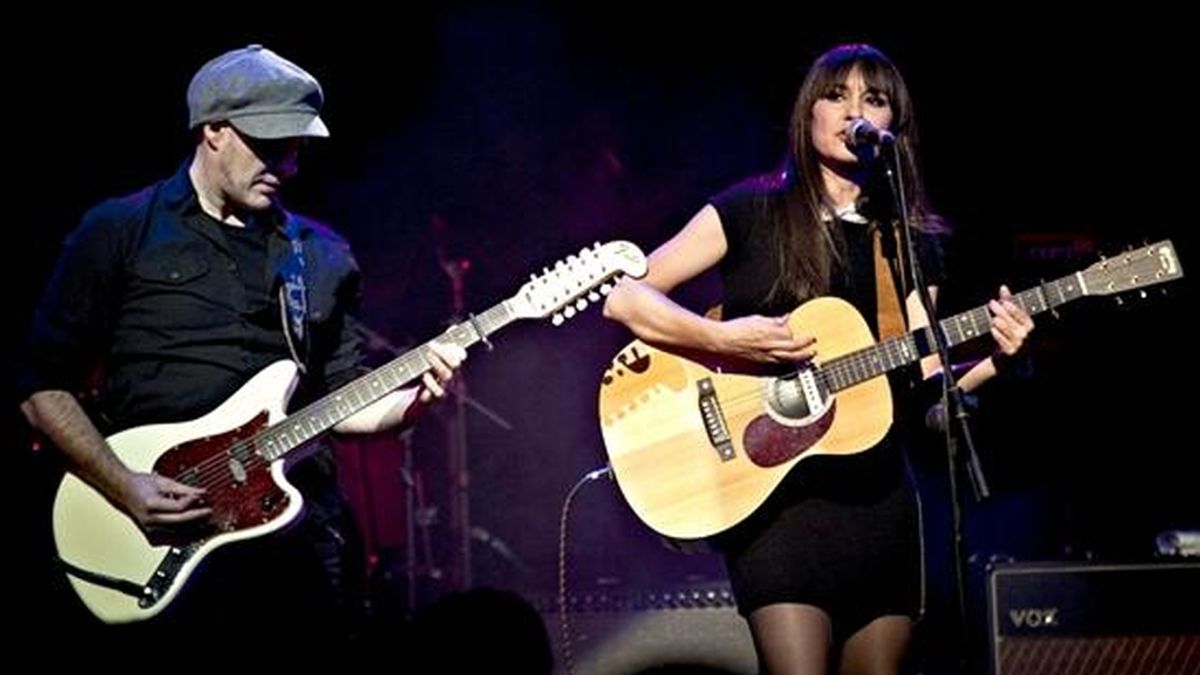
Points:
x=563 y=616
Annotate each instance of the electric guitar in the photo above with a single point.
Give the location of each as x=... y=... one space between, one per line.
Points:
x=236 y=452
x=697 y=444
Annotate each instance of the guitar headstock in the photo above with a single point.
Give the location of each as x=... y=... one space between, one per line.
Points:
x=1146 y=266
x=567 y=287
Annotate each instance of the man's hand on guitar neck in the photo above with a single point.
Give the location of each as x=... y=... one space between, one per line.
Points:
x=444 y=359
x=405 y=406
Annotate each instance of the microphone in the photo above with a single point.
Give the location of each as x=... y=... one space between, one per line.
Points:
x=860 y=133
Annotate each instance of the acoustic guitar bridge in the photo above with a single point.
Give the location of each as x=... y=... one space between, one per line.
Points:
x=714 y=419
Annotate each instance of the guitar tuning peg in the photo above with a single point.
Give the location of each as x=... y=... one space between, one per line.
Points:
x=581 y=304
x=593 y=296
x=605 y=288
x=1142 y=293
x=568 y=312
x=1120 y=300
x=557 y=319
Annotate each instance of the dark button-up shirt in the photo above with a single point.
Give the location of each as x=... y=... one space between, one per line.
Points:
x=155 y=290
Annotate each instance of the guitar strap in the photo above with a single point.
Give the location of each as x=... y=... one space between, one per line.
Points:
x=120 y=585
x=890 y=289
x=889 y=282
x=293 y=295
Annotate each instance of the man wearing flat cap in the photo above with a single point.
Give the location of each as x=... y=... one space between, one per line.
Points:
x=182 y=293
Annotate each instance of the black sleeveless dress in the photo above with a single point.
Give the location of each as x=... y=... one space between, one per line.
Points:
x=841 y=533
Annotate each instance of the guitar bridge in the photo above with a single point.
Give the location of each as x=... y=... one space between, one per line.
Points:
x=160 y=582
x=714 y=419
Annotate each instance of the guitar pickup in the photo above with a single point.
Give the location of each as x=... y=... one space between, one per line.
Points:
x=714 y=419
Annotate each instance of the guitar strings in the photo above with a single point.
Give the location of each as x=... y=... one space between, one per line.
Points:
x=210 y=471
x=356 y=393
x=862 y=366
x=850 y=367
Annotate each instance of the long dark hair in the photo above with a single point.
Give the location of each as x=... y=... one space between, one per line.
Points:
x=809 y=250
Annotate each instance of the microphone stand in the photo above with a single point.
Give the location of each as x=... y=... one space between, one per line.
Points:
x=952 y=399
x=460 y=496
x=460 y=504
x=417 y=514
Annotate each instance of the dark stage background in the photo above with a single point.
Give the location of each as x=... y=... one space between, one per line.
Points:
x=513 y=136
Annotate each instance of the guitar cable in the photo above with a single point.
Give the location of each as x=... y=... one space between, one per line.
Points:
x=563 y=616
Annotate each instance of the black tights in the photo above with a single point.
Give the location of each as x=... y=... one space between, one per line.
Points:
x=793 y=639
